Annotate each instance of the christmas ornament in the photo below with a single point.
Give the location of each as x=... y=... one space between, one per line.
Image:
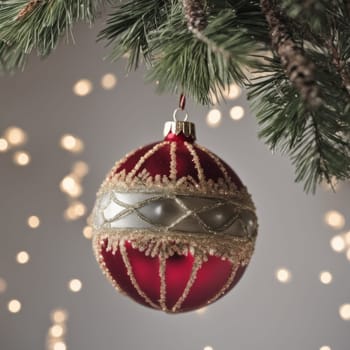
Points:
x=174 y=227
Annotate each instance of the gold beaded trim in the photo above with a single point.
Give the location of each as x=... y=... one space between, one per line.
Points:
x=233 y=248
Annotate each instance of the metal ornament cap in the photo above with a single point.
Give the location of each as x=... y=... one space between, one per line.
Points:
x=186 y=128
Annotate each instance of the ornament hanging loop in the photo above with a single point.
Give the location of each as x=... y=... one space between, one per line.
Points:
x=177 y=110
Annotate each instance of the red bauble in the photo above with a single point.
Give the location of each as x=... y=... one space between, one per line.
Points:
x=174 y=227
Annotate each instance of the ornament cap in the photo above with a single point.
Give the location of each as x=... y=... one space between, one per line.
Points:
x=185 y=128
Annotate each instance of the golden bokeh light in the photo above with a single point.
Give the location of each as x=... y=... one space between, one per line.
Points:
x=109 y=81
x=33 y=221
x=338 y=244
x=75 y=285
x=60 y=345
x=83 y=87
x=72 y=143
x=22 y=257
x=3 y=285
x=237 y=113
x=87 y=232
x=325 y=347
x=214 y=118
x=344 y=312
x=59 y=316
x=232 y=92
x=71 y=186
x=80 y=169
x=335 y=219
x=14 y=306
x=208 y=348
x=4 y=146
x=21 y=158
x=15 y=136
x=57 y=331
x=283 y=275
x=326 y=277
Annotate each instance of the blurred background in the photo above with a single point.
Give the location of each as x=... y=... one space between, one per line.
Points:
x=64 y=122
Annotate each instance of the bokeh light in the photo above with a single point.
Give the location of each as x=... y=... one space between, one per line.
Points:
x=283 y=275
x=214 y=117
x=237 y=113
x=60 y=345
x=22 y=257
x=80 y=169
x=3 y=285
x=14 y=306
x=109 y=81
x=21 y=158
x=57 y=331
x=338 y=243
x=344 y=312
x=33 y=221
x=232 y=92
x=3 y=145
x=87 y=232
x=15 y=136
x=59 y=316
x=335 y=219
x=72 y=143
x=75 y=285
x=83 y=87
x=326 y=277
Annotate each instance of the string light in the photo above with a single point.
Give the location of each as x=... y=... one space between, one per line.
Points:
x=3 y=145
x=283 y=275
x=338 y=243
x=70 y=186
x=57 y=330
x=335 y=219
x=344 y=312
x=232 y=92
x=33 y=221
x=15 y=136
x=83 y=87
x=87 y=232
x=59 y=316
x=3 y=286
x=14 y=306
x=21 y=158
x=72 y=143
x=80 y=169
x=109 y=81
x=326 y=277
x=22 y=257
x=59 y=346
x=75 y=285
x=214 y=117
x=237 y=113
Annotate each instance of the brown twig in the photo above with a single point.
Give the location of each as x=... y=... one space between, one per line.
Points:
x=32 y=4
x=299 y=69
x=340 y=65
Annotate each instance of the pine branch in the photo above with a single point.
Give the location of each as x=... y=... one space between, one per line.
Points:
x=38 y=25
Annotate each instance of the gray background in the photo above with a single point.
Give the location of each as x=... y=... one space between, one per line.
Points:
x=260 y=313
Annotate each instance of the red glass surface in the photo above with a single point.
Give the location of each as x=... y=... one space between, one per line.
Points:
x=210 y=279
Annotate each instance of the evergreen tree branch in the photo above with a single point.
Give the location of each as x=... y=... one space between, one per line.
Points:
x=38 y=25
